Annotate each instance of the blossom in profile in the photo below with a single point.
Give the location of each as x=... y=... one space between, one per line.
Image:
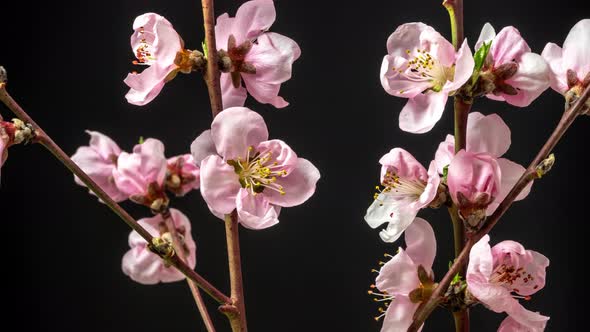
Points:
x=408 y=187
x=157 y=46
x=240 y=168
x=145 y=267
x=250 y=54
x=495 y=274
x=406 y=279
x=518 y=75
x=424 y=67
x=99 y=160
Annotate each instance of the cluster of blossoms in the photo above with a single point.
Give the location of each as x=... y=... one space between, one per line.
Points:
x=234 y=164
x=424 y=67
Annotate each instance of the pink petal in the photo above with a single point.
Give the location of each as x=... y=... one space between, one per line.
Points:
x=231 y=96
x=511 y=173
x=153 y=160
x=422 y=112
x=531 y=79
x=99 y=170
x=509 y=324
x=431 y=189
x=163 y=40
x=189 y=169
x=532 y=263
x=235 y=129
x=273 y=56
x=486 y=35
x=481 y=262
x=403 y=164
x=143 y=266
x=533 y=321
x=553 y=54
x=224 y=27
x=399 y=275
x=421 y=243
x=508 y=46
x=445 y=153
x=576 y=53
x=488 y=134
x=203 y=146
x=473 y=174
x=265 y=93
x=253 y=18
x=254 y=211
x=399 y=315
x=126 y=175
x=463 y=68
x=299 y=185
x=219 y=184
x=280 y=153
x=440 y=48
x=405 y=37
x=145 y=86
x=103 y=145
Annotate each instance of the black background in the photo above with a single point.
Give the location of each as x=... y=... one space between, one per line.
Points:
x=62 y=250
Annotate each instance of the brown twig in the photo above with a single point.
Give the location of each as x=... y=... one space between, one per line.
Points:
x=235 y=272
x=49 y=144
x=531 y=173
x=212 y=73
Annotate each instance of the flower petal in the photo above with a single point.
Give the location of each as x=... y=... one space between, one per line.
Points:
x=509 y=324
x=403 y=164
x=463 y=68
x=219 y=184
x=576 y=53
x=236 y=129
x=103 y=145
x=422 y=112
x=421 y=243
x=486 y=35
x=396 y=84
x=265 y=93
x=445 y=153
x=203 y=146
x=145 y=86
x=253 y=18
x=399 y=275
x=230 y=95
x=399 y=315
x=488 y=134
x=299 y=185
x=533 y=321
x=273 y=56
x=511 y=173
x=508 y=46
x=405 y=37
x=553 y=54
x=472 y=175
x=254 y=211
x=531 y=80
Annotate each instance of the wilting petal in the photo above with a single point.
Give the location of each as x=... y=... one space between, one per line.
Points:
x=532 y=264
x=163 y=41
x=236 y=129
x=533 y=321
x=487 y=134
x=422 y=112
x=399 y=315
x=254 y=211
x=219 y=184
x=399 y=275
x=103 y=145
x=421 y=243
x=299 y=185
x=230 y=95
x=203 y=146
x=384 y=209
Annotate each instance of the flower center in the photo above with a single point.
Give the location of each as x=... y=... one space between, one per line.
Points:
x=258 y=172
x=400 y=188
x=508 y=275
x=422 y=67
x=142 y=53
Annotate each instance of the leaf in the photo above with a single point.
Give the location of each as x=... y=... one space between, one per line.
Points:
x=205 y=49
x=480 y=58
x=141 y=140
x=445 y=171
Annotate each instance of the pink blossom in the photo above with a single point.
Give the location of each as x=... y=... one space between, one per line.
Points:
x=570 y=65
x=480 y=170
x=248 y=172
x=493 y=274
x=99 y=160
x=509 y=324
x=398 y=278
x=422 y=65
x=520 y=75
x=145 y=267
x=156 y=44
x=408 y=188
x=141 y=174
x=262 y=59
x=182 y=175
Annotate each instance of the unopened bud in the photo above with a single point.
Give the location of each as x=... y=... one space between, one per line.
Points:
x=545 y=166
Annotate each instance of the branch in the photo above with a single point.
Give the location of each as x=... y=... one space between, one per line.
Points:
x=455 y=9
x=238 y=321
x=531 y=173
x=179 y=249
x=212 y=73
x=49 y=144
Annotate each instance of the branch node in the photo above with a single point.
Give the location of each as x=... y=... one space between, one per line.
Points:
x=545 y=166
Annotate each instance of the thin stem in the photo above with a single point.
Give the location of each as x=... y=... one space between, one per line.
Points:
x=212 y=74
x=461 y=320
x=58 y=153
x=458 y=230
x=238 y=321
x=531 y=173
x=461 y=114
x=179 y=249
x=455 y=9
